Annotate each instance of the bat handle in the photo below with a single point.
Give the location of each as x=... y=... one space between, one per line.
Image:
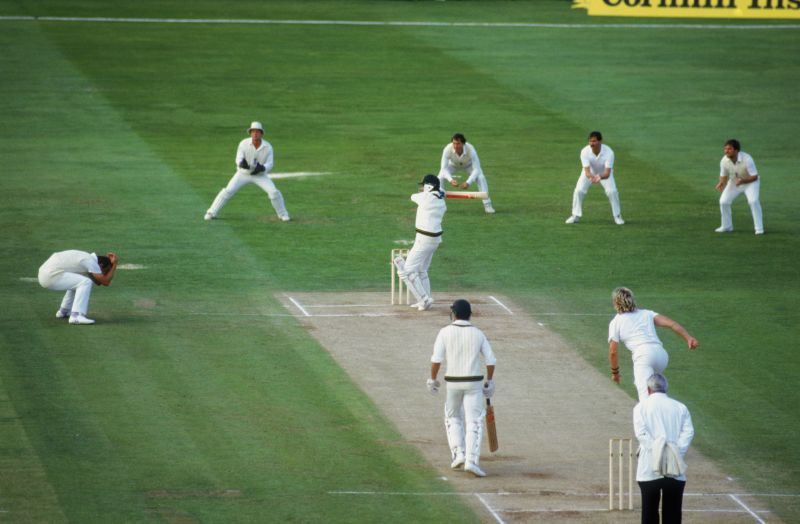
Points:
x=488 y=403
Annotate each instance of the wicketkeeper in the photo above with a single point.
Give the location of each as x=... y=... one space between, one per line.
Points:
x=463 y=346
x=253 y=162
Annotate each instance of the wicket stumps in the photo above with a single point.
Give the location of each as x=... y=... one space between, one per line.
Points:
x=615 y=450
x=397 y=282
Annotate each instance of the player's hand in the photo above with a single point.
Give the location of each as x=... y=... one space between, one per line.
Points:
x=454 y=183
x=488 y=388
x=258 y=168
x=243 y=164
x=433 y=386
x=112 y=257
x=692 y=343
x=596 y=179
x=738 y=182
x=464 y=185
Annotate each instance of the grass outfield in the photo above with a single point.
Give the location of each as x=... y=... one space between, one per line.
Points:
x=189 y=399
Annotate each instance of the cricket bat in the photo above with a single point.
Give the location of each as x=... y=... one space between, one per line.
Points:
x=471 y=195
x=491 y=429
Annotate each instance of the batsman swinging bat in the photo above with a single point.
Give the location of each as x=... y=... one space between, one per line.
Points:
x=491 y=429
x=467 y=194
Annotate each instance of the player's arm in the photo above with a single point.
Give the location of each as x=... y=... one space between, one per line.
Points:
x=752 y=173
x=613 y=359
x=444 y=172
x=723 y=177
x=609 y=164
x=104 y=279
x=640 y=429
x=662 y=321
x=476 y=168
x=241 y=161
x=435 y=369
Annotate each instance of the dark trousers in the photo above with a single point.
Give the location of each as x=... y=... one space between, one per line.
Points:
x=652 y=491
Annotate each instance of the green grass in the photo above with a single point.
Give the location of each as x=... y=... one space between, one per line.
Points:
x=117 y=137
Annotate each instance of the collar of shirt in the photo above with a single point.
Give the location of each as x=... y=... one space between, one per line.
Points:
x=461 y=323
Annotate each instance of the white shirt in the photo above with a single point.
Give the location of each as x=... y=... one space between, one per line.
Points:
x=744 y=166
x=430 y=211
x=467 y=160
x=71 y=261
x=660 y=417
x=249 y=152
x=635 y=329
x=462 y=345
x=597 y=164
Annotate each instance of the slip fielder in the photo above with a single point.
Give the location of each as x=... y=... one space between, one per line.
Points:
x=459 y=155
x=597 y=163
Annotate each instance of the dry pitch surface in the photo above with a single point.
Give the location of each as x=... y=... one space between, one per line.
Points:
x=555 y=413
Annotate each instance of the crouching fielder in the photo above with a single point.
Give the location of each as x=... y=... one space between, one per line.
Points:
x=76 y=272
x=414 y=269
x=253 y=162
x=463 y=345
x=637 y=329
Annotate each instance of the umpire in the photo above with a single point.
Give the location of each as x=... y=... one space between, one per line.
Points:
x=664 y=429
x=463 y=345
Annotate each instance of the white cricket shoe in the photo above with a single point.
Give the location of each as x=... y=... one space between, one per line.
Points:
x=80 y=319
x=574 y=219
x=618 y=220
x=475 y=470
x=458 y=462
x=62 y=313
x=285 y=218
x=759 y=232
x=427 y=302
x=721 y=229
x=489 y=210
x=209 y=216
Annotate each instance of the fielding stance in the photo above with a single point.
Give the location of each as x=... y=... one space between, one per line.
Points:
x=75 y=272
x=737 y=175
x=463 y=345
x=637 y=329
x=414 y=269
x=459 y=155
x=597 y=160
x=253 y=162
x=664 y=429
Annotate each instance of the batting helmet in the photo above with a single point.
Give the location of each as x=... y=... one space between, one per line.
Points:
x=461 y=309
x=256 y=125
x=430 y=180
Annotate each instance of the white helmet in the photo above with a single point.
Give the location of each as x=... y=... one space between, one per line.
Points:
x=256 y=125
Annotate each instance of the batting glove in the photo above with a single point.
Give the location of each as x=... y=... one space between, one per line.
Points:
x=243 y=164
x=488 y=388
x=433 y=386
x=258 y=168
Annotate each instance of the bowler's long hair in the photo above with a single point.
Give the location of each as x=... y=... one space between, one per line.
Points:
x=623 y=300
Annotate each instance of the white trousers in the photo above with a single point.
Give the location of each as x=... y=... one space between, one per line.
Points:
x=242 y=178
x=646 y=361
x=480 y=179
x=750 y=191
x=78 y=290
x=415 y=271
x=464 y=412
x=582 y=187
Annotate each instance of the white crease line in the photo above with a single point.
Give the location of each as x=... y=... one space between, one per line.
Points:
x=301 y=308
x=512 y=25
x=380 y=306
x=340 y=315
x=299 y=174
x=750 y=511
x=501 y=305
x=489 y=509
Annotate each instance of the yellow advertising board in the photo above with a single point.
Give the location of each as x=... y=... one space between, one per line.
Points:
x=786 y=9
